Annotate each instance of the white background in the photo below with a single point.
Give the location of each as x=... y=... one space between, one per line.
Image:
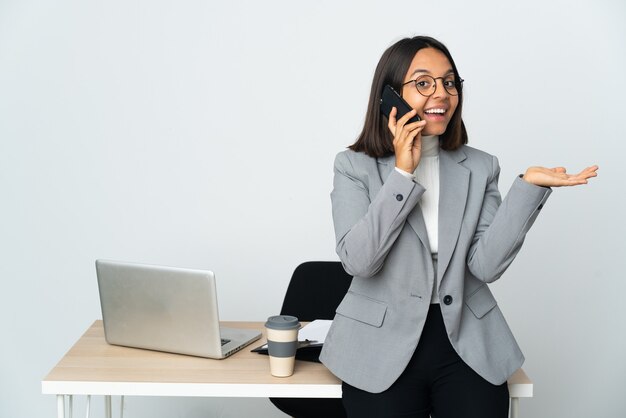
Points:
x=202 y=134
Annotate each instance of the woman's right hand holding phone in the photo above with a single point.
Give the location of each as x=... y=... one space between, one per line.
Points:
x=407 y=140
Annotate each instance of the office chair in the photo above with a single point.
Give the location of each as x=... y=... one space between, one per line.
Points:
x=314 y=292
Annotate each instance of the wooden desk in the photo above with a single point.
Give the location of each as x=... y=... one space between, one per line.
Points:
x=93 y=367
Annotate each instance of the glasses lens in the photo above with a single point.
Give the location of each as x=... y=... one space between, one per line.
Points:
x=425 y=85
x=451 y=86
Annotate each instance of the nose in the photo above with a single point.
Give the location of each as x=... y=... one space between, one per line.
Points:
x=440 y=90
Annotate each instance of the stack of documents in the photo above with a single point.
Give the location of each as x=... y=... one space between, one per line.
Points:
x=315 y=332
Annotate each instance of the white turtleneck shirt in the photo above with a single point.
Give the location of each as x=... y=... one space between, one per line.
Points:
x=427 y=174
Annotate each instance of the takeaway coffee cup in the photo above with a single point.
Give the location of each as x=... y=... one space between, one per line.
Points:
x=282 y=343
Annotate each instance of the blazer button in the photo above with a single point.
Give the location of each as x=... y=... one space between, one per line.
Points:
x=447 y=299
x=399 y=197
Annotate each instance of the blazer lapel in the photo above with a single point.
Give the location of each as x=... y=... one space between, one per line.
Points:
x=415 y=218
x=453 y=189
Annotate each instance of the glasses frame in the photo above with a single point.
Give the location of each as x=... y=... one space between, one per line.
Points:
x=458 y=84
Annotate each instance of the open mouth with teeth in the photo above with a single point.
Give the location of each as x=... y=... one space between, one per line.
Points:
x=435 y=111
x=435 y=114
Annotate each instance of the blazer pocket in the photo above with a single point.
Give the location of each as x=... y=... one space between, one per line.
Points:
x=363 y=309
x=481 y=301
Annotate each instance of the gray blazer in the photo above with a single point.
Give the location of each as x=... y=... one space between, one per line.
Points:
x=382 y=242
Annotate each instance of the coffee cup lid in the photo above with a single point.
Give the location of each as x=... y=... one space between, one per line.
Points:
x=282 y=322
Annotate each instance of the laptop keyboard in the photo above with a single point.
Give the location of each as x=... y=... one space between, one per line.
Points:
x=225 y=341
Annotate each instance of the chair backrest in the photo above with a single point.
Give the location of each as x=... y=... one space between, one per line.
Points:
x=315 y=290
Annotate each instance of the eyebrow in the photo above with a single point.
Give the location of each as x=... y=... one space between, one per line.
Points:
x=421 y=70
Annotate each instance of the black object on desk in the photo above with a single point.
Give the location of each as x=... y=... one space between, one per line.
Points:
x=307 y=351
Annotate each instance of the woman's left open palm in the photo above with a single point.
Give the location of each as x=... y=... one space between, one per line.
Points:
x=558 y=176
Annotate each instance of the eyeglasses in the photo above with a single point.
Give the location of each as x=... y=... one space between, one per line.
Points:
x=427 y=85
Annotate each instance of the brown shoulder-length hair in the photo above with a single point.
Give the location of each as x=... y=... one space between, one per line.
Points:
x=375 y=139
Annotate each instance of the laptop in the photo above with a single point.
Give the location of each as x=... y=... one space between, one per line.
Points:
x=165 y=309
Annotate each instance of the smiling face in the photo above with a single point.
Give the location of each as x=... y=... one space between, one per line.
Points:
x=436 y=110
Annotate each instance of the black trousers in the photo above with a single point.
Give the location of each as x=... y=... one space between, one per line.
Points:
x=436 y=383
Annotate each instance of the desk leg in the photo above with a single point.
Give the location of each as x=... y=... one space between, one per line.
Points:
x=107 y=406
x=60 y=406
x=88 y=408
x=514 y=407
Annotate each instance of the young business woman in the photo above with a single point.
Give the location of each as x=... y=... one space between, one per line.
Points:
x=421 y=226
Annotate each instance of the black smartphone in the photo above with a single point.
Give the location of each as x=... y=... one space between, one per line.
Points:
x=390 y=98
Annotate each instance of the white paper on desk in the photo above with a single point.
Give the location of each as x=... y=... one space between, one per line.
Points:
x=315 y=331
